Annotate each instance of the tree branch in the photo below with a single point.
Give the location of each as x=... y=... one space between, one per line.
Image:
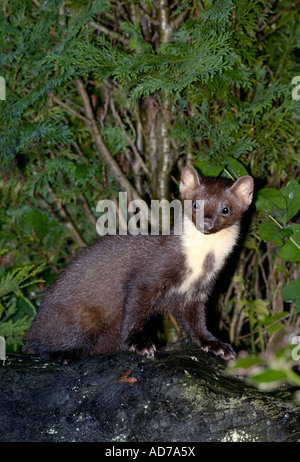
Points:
x=72 y=111
x=278 y=15
x=133 y=147
x=82 y=201
x=178 y=20
x=104 y=30
x=67 y=220
x=163 y=14
x=101 y=146
x=64 y=217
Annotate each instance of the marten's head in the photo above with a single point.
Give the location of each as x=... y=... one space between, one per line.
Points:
x=224 y=200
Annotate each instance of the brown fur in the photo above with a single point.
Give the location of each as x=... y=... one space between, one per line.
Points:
x=105 y=296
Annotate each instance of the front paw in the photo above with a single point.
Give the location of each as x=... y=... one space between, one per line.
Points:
x=141 y=345
x=219 y=348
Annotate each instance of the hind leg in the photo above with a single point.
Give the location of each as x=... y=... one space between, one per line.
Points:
x=106 y=343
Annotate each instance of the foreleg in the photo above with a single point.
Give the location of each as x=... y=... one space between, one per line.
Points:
x=136 y=312
x=193 y=320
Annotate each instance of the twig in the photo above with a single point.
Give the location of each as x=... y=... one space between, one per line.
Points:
x=281 y=227
x=66 y=219
x=82 y=201
x=267 y=327
x=104 y=112
x=133 y=147
x=273 y=20
x=178 y=20
x=72 y=111
x=278 y=15
x=91 y=122
x=146 y=15
x=101 y=146
x=110 y=33
x=123 y=11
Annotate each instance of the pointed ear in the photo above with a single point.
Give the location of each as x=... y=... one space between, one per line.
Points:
x=189 y=180
x=243 y=190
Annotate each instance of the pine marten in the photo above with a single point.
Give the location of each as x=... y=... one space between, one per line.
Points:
x=103 y=299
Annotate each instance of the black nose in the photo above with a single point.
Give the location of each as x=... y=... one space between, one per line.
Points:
x=208 y=224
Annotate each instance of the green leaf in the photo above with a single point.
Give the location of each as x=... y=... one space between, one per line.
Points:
x=275 y=317
x=291 y=292
x=271 y=322
x=270 y=200
x=291 y=192
x=275 y=328
x=270 y=231
x=207 y=168
x=247 y=362
x=290 y=251
x=235 y=167
x=269 y=376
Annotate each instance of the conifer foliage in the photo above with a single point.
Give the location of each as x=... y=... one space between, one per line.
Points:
x=106 y=96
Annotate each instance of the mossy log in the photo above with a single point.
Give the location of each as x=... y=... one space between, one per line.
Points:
x=183 y=394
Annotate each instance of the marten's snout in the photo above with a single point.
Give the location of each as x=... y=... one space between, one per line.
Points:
x=207 y=225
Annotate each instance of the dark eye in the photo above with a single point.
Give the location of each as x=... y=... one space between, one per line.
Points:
x=195 y=205
x=225 y=210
